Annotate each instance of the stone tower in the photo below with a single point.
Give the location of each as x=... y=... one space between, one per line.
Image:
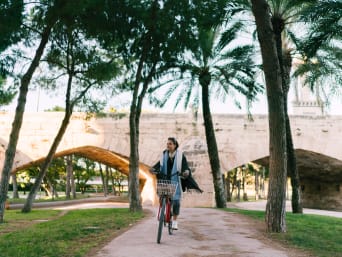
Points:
x=306 y=101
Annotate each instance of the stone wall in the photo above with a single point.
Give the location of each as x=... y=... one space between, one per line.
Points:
x=321 y=195
x=239 y=140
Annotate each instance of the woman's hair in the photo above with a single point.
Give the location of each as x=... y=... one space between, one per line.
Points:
x=173 y=140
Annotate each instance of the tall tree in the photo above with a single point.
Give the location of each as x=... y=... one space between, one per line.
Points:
x=158 y=33
x=275 y=207
x=83 y=66
x=48 y=15
x=284 y=13
x=218 y=68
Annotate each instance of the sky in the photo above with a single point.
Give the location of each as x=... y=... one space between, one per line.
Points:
x=38 y=101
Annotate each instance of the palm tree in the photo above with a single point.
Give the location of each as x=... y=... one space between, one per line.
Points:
x=321 y=49
x=283 y=14
x=215 y=67
x=324 y=19
x=275 y=208
x=84 y=68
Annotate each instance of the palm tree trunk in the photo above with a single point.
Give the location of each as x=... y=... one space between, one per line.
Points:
x=18 y=118
x=285 y=62
x=275 y=208
x=220 y=194
x=292 y=169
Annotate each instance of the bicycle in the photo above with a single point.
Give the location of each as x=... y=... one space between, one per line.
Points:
x=165 y=190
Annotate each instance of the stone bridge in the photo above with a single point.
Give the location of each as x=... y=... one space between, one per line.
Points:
x=317 y=140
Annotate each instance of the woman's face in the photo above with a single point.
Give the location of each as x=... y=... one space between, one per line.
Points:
x=171 y=147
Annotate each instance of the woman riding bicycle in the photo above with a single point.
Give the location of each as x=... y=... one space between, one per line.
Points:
x=172 y=165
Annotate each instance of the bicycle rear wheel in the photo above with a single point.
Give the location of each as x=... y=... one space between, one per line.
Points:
x=161 y=221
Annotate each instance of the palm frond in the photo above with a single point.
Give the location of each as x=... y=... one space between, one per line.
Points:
x=228 y=36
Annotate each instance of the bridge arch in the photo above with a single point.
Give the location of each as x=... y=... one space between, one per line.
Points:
x=112 y=159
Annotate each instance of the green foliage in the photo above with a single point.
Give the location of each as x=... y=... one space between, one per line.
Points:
x=79 y=60
x=231 y=68
x=11 y=15
x=320 y=235
x=56 y=109
x=324 y=19
x=84 y=170
x=321 y=48
x=6 y=93
x=73 y=234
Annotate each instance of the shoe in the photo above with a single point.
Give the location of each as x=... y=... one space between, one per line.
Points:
x=174 y=225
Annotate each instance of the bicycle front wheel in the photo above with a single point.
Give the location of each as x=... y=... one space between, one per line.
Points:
x=161 y=220
x=170 y=217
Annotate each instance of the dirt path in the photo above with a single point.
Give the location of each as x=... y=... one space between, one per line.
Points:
x=203 y=233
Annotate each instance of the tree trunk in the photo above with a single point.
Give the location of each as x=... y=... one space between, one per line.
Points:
x=113 y=182
x=73 y=186
x=285 y=62
x=15 y=186
x=220 y=194
x=107 y=180
x=275 y=208
x=263 y=183
x=238 y=197
x=69 y=170
x=103 y=179
x=133 y=178
x=54 y=193
x=292 y=169
x=234 y=182
x=18 y=118
x=229 y=197
x=245 y=197
x=256 y=185
x=134 y=121
x=33 y=192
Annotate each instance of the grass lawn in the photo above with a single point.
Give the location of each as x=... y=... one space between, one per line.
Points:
x=320 y=235
x=51 y=233
x=47 y=199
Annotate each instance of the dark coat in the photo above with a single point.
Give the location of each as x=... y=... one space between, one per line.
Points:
x=186 y=183
x=189 y=183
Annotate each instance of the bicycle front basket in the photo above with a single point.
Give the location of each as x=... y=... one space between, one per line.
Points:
x=166 y=187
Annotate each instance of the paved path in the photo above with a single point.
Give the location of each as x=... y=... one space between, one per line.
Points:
x=203 y=233
x=261 y=205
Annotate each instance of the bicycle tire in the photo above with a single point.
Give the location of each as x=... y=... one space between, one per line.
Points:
x=170 y=219
x=161 y=221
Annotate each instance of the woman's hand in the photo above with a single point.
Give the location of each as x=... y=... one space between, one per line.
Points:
x=185 y=173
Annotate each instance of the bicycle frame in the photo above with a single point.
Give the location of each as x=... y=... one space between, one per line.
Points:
x=168 y=209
